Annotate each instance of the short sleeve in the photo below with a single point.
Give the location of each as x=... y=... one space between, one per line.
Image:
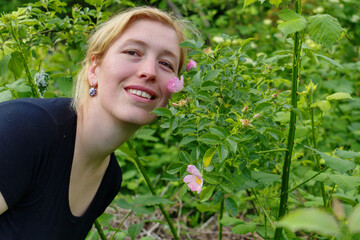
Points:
x=26 y=135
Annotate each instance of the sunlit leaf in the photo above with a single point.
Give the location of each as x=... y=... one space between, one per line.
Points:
x=208 y=156
x=339 y=96
x=248 y=2
x=293 y=22
x=324 y=105
x=275 y=2
x=324 y=29
x=311 y=220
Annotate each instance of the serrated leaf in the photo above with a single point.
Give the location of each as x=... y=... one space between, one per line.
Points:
x=208 y=156
x=211 y=178
x=245 y=44
x=324 y=29
x=231 y=207
x=275 y=2
x=312 y=220
x=232 y=144
x=248 y=2
x=15 y=64
x=330 y=60
x=206 y=193
x=162 y=112
x=337 y=164
x=211 y=75
x=324 y=105
x=287 y=14
x=339 y=96
x=244 y=228
x=292 y=25
x=209 y=138
x=188 y=44
x=219 y=131
x=346 y=154
x=354 y=219
x=227 y=221
x=174 y=168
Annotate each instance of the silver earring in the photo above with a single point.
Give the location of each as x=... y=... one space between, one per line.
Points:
x=92 y=91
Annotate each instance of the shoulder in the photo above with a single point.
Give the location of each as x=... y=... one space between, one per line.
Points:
x=25 y=118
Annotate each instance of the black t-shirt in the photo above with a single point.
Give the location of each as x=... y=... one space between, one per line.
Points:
x=37 y=138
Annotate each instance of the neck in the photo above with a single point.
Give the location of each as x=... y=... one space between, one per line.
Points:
x=97 y=136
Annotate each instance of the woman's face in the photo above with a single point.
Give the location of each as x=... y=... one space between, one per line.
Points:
x=133 y=75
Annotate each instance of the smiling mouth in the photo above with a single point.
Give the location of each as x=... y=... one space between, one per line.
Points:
x=140 y=93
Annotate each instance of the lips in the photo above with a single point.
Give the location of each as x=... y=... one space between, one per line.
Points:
x=141 y=92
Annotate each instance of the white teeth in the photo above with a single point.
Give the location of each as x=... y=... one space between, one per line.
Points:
x=140 y=93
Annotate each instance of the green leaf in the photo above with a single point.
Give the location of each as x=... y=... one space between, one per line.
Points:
x=151 y=200
x=135 y=229
x=330 y=60
x=245 y=44
x=15 y=64
x=232 y=144
x=219 y=131
x=337 y=164
x=208 y=156
x=312 y=220
x=5 y=95
x=188 y=44
x=346 y=154
x=206 y=193
x=244 y=228
x=339 y=96
x=275 y=2
x=227 y=221
x=324 y=29
x=266 y=178
x=210 y=178
x=248 y=2
x=231 y=206
x=354 y=219
x=174 y=168
x=309 y=53
x=187 y=140
x=345 y=182
x=292 y=26
x=162 y=112
x=324 y=105
x=209 y=138
x=211 y=75
x=293 y=22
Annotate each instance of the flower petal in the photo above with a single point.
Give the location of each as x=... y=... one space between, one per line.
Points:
x=176 y=84
x=193 y=170
x=191 y=64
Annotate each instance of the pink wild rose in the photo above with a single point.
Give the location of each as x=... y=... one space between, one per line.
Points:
x=176 y=84
x=191 y=64
x=195 y=181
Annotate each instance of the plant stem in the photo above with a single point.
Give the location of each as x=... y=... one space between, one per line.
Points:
x=151 y=188
x=291 y=136
x=100 y=231
x=314 y=140
x=219 y=219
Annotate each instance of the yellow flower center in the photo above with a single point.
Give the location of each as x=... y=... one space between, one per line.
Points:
x=197 y=180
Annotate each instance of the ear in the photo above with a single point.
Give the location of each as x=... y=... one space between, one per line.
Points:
x=92 y=72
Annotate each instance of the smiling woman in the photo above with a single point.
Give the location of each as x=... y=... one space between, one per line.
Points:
x=66 y=173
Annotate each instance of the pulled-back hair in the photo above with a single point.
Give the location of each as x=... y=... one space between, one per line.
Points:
x=106 y=33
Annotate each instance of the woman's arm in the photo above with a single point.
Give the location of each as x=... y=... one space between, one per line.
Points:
x=3 y=205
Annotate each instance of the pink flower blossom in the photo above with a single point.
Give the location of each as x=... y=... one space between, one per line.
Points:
x=176 y=84
x=257 y=116
x=191 y=64
x=275 y=95
x=195 y=181
x=245 y=109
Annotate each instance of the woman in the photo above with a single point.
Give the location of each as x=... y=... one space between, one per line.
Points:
x=58 y=172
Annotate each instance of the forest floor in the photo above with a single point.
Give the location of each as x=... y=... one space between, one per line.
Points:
x=160 y=231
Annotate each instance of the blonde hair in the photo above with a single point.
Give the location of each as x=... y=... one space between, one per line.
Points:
x=102 y=38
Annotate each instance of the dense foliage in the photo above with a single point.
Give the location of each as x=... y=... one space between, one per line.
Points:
x=270 y=115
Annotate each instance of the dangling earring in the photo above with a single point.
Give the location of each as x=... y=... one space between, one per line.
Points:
x=92 y=91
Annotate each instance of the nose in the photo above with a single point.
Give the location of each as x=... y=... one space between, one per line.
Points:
x=147 y=70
